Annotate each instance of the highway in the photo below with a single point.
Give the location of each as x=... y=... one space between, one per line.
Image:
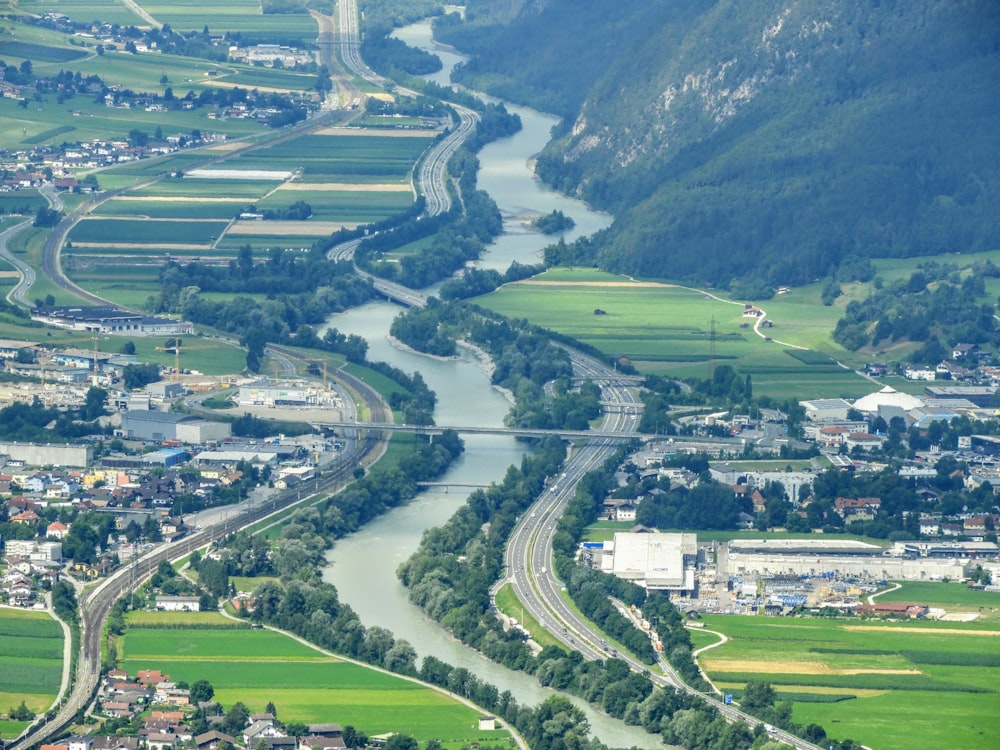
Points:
x=529 y=554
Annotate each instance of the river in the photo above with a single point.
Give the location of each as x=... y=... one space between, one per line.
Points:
x=363 y=565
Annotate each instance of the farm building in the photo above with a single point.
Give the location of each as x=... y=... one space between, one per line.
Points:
x=178 y=603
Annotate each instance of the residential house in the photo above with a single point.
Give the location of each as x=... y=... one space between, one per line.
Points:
x=212 y=739
x=626 y=512
x=260 y=730
x=857 y=509
x=312 y=741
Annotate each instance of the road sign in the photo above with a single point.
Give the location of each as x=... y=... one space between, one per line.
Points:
x=729 y=699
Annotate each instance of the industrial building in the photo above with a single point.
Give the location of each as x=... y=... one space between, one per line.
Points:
x=655 y=561
x=162 y=426
x=45 y=454
x=271 y=393
x=844 y=557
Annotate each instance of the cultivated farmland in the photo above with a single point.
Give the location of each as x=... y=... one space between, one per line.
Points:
x=31 y=651
x=257 y=666
x=674 y=330
x=880 y=683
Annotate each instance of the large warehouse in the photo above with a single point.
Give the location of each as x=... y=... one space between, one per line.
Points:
x=654 y=561
x=161 y=426
x=815 y=557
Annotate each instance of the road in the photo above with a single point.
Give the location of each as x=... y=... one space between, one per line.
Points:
x=529 y=554
x=432 y=176
x=96 y=602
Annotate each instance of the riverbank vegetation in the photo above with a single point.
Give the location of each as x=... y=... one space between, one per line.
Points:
x=458 y=236
x=526 y=362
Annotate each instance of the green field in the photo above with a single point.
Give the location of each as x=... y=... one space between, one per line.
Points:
x=673 y=330
x=945 y=595
x=934 y=680
x=508 y=603
x=110 y=11
x=31 y=651
x=233 y=15
x=146 y=619
x=140 y=231
x=340 y=158
x=258 y=666
x=170 y=209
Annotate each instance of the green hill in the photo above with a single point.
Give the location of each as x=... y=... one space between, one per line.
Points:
x=758 y=140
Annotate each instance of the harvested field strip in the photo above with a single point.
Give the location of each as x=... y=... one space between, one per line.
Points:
x=379 y=132
x=171 y=199
x=935 y=631
x=285 y=228
x=793 y=667
x=869 y=681
x=349 y=187
x=135 y=247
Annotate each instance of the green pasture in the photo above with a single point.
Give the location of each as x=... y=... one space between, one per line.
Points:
x=342 y=205
x=39 y=53
x=151 y=208
x=144 y=618
x=669 y=330
x=411 y=248
x=144 y=231
x=23 y=202
x=304 y=684
x=702 y=638
x=906 y=669
x=31 y=651
x=27 y=245
x=198 y=644
x=193 y=188
x=109 y=11
x=340 y=158
x=945 y=595
x=233 y=15
x=208 y=356
x=508 y=603
x=12 y=729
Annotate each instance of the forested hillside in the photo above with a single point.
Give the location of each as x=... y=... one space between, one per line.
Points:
x=758 y=140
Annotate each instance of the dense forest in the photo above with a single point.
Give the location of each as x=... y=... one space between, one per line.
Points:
x=758 y=141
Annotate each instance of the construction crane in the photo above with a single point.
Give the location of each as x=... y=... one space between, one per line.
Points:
x=173 y=345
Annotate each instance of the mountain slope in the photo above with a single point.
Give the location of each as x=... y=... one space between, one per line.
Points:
x=761 y=140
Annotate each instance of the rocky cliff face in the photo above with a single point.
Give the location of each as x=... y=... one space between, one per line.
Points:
x=773 y=138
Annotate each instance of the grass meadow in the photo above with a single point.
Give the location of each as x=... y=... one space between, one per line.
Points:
x=945 y=595
x=109 y=11
x=147 y=231
x=153 y=208
x=347 y=157
x=233 y=15
x=31 y=657
x=668 y=330
x=258 y=666
x=879 y=683
x=508 y=603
